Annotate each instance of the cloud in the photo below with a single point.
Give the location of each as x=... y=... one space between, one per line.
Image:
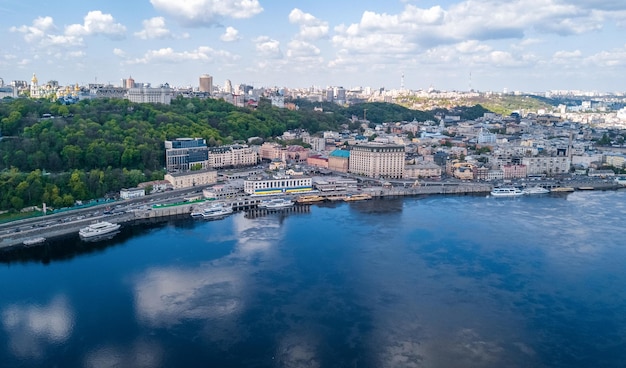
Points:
x=154 y=28
x=97 y=23
x=418 y=29
x=230 y=35
x=207 y=12
x=608 y=59
x=119 y=52
x=268 y=47
x=168 y=55
x=310 y=27
x=42 y=32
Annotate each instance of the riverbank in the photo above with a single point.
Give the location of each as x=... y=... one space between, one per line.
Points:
x=13 y=235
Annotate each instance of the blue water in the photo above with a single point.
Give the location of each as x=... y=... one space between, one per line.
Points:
x=416 y=282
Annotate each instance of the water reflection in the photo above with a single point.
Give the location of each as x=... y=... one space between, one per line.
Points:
x=165 y=297
x=31 y=328
x=141 y=354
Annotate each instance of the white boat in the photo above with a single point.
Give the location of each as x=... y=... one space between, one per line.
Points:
x=507 y=192
x=217 y=210
x=620 y=180
x=98 y=229
x=275 y=204
x=34 y=241
x=536 y=190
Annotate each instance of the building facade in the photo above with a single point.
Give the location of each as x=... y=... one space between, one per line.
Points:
x=377 y=161
x=183 y=154
x=150 y=95
x=232 y=156
x=548 y=165
x=192 y=178
x=277 y=185
x=514 y=171
x=422 y=170
x=339 y=160
x=206 y=83
x=128 y=193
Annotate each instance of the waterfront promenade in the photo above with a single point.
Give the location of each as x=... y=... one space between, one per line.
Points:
x=13 y=234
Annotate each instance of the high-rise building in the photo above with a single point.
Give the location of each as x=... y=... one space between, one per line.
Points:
x=184 y=154
x=206 y=83
x=228 y=86
x=128 y=83
x=384 y=161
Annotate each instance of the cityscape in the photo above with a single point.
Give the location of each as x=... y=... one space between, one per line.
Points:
x=250 y=183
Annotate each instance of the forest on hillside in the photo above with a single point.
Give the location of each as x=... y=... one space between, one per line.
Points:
x=94 y=147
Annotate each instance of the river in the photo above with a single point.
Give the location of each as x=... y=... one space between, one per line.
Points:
x=441 y=281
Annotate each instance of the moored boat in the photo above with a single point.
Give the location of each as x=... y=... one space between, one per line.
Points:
x=562 y=189
x=275 y=204
x=98 y=229
x=33 y=241
x=506 y=192
x=310 y=199
x=357 y=197
x=535 y=190
x=217 y=210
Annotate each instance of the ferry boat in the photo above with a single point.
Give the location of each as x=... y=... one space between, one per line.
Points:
x=98 y=229
x=217 y=210
x=310 y=199
x=535 y=190
x=357 y=197
x=33 y=241
x=507 y=192
x=275 y=204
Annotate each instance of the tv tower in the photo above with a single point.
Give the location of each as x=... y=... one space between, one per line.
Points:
x=402 y=82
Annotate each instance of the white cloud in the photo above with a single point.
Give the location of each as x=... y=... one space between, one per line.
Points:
x=119 y=52
x=207 y=12
x=230 y=35
x=168 y=55
x=154 y=28
x=608 y=59
x=268 y=47
x=310 y=27
x=42 y=32
x=97 y=23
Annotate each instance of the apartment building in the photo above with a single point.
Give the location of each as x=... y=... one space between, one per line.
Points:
x=232 y=156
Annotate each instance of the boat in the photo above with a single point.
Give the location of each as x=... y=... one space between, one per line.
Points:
x=305 y=199
x=216 y=210
x=33 y=241
x=535 y=190
x=98 y=229
x=586 y=188
x=562 y=189
x=357 y=197
x=620 y=180
x=507 y=192
x=275 y=204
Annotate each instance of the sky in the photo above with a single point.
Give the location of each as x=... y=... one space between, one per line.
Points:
x=485 y=45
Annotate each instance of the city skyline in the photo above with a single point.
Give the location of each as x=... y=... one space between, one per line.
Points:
x=535 y=45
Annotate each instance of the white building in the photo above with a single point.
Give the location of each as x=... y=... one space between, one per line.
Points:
x=150 y=95
x=232 y=156
x=192 y=178
x=132 y=193
x=277 y=185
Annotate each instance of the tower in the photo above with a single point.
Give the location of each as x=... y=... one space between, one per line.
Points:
x=206 y=83
x=129 y=83
x=34 y=87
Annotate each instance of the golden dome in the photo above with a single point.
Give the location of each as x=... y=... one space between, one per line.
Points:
x=34 y=79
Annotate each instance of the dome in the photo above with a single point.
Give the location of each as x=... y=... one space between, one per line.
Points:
x=34 y=79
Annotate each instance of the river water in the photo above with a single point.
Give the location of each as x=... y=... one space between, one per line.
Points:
x=459 y=281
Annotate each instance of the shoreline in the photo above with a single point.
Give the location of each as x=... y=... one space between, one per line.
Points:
x=10 y=238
